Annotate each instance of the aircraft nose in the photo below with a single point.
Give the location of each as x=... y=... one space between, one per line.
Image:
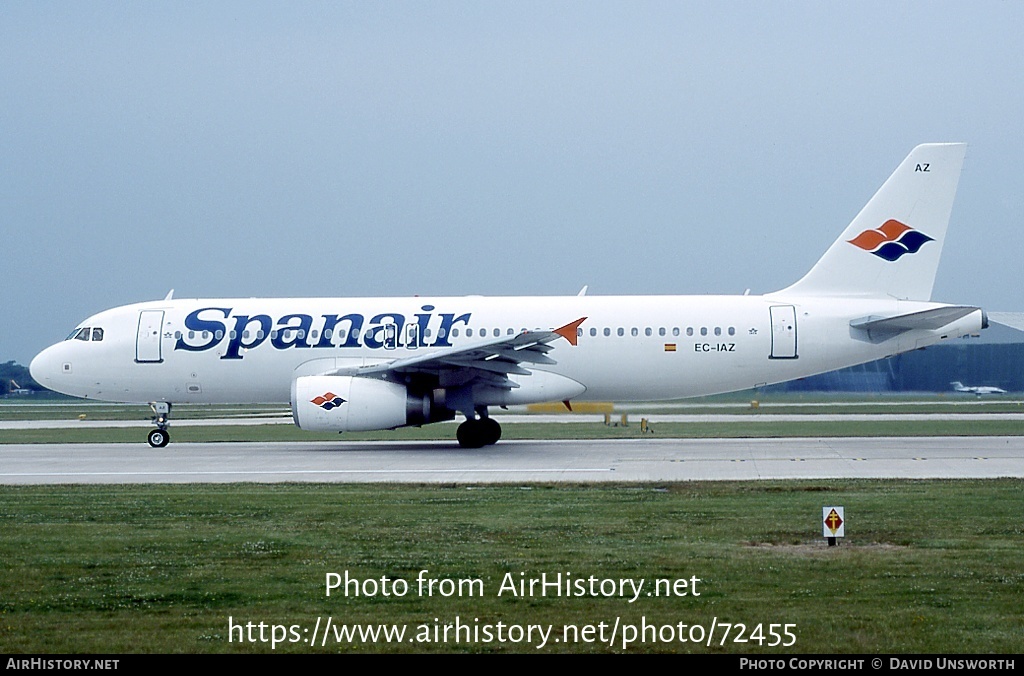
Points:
x=43 y=367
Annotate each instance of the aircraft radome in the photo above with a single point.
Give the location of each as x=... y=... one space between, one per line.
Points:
x=349 y=364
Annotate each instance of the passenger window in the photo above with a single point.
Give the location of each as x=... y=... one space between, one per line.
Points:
x=469 y=333
x=497 y=332
x=455 y=333
x=634 y=332
x=97 y=334
x=675 y=330
x=218 y=334
x=732 y=330
x=426 y=333
x=718 y=330
x=607 y=332
x=647 y=331
x=689 y=330
x=661 y=331
x=593 y=332
x=621 y=331
x=703 y=330
x=579 y=331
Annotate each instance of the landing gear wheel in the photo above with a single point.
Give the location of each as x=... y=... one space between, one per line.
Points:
x=477 y=433
x=491 y=430
x=159 y=438
x=471 y=434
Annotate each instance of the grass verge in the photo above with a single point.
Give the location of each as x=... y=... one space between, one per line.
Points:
x=745 y=428
x=927 y=567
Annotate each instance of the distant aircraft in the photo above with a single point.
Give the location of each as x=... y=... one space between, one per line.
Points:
x=15 y=388
x=348 y=364
x=978 y=389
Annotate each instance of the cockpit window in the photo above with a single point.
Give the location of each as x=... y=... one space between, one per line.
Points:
x=86 y=333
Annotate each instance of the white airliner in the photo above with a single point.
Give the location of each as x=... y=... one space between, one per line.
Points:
x=977 y=389
x=349 y=364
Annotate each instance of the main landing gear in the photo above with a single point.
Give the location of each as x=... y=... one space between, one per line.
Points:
x=160 y=437
x=478 y=432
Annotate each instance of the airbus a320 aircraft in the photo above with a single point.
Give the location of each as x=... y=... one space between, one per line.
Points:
x=349 y=364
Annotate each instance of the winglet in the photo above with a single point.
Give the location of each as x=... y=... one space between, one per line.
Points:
x=569 y=330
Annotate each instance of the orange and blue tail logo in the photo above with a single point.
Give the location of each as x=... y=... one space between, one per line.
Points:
x=891 y=241
x=327 y=401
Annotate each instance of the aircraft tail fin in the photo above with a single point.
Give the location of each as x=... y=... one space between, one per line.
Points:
x=892 y=248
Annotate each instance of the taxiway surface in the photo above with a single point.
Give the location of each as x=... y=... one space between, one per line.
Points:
x=648 y=460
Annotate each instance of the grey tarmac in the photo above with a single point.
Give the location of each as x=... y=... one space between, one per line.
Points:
x=640 y=460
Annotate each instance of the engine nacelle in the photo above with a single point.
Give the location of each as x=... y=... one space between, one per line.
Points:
x=354 y=404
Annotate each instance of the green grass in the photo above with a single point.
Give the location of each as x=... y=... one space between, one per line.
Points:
x=775 y=404
x=71 y=409
x=745 y=428
x=927 y=567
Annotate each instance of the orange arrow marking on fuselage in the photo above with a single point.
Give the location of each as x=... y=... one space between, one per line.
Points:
x=569 y=330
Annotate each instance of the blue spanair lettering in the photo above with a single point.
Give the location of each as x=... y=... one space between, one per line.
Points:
x=193 y=322
x=422 y=320
x=445 y=332
x=237 y=340
x=329 y=331
x=288 y=334
x=336 y=331
x=374 y=337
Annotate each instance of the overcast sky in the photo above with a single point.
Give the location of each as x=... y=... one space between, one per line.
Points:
x=400 y=148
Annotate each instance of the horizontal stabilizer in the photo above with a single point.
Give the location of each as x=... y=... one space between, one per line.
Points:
x=926 y=319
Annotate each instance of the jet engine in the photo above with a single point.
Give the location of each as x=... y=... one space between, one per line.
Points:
x=355 y=404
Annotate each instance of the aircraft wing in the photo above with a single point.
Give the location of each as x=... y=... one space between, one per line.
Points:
x=491 y=361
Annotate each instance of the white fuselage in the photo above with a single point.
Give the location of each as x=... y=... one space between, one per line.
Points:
x=629 y=347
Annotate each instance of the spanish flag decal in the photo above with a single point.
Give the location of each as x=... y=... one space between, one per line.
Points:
x=670 y=347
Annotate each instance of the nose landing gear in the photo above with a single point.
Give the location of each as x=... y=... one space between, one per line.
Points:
x=160 y=437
